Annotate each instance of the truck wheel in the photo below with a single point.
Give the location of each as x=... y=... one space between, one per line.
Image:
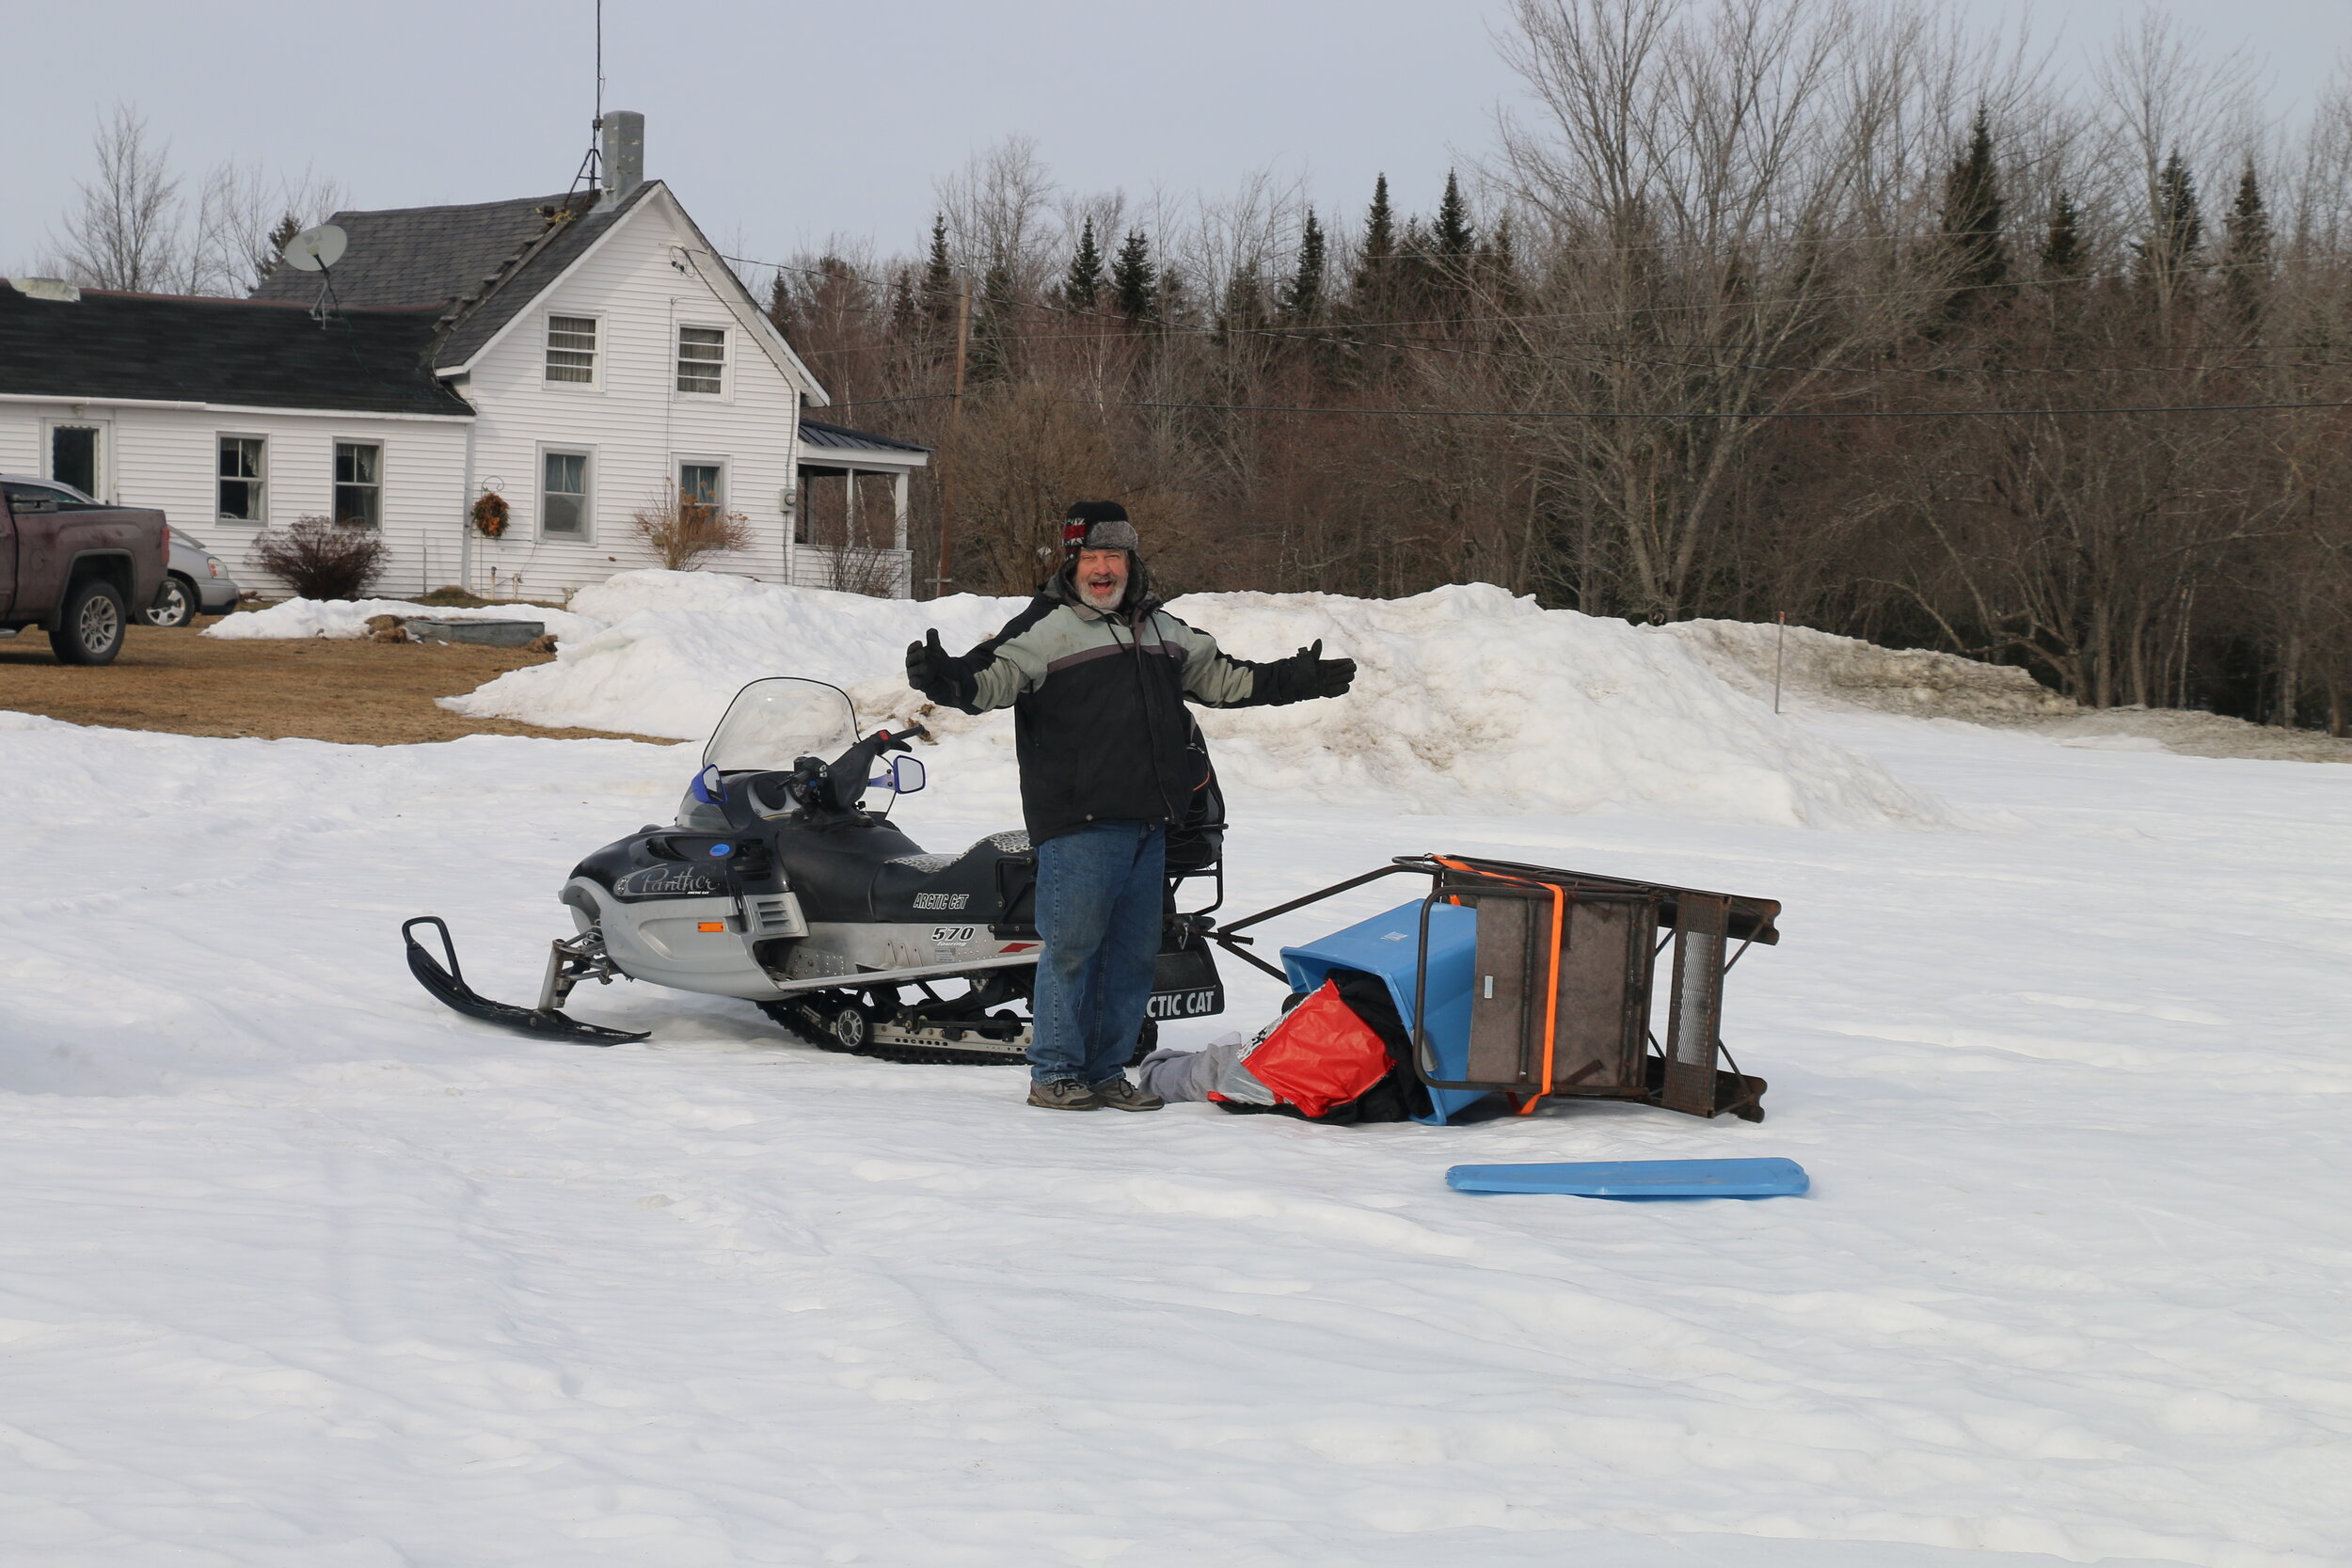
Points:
x=176 y=605
x=90 y=630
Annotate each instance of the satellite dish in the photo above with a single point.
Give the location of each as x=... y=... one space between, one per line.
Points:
x=316 y=249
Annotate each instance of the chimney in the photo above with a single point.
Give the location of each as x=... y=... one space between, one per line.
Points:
x=624 y=154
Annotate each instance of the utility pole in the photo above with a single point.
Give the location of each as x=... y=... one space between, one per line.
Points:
x=955 y=424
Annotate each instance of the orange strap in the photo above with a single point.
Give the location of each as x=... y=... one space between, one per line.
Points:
x=1551 y=988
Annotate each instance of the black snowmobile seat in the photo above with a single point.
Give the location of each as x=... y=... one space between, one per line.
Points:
x=868 y=870
x=973 y=885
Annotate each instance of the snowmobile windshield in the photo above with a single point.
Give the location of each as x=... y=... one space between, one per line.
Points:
x=773 y=724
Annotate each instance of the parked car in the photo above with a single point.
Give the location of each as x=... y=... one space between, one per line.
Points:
x=75 y=566
x=199 y=583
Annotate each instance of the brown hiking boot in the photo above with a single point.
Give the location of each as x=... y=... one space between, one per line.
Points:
x=1065 y=1094
x=1121 y=1095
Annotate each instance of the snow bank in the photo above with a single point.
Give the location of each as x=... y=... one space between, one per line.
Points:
x=672 y=648
x=1465 y=699
x=347 y=619
x=1848 y=671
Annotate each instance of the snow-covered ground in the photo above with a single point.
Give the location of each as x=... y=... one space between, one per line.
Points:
x=302 y=1271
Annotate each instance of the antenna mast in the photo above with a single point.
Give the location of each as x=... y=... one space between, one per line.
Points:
x=591 y=166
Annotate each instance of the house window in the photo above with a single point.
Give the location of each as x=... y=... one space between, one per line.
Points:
x=563 y=495
x=702 y=485
x=572 y=349
x=243 y=478
x=359 y=484
x=702 y=359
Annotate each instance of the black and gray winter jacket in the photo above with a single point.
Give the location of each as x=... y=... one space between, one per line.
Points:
x=1098 y=701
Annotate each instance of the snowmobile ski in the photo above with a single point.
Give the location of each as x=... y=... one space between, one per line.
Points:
x=448 y=983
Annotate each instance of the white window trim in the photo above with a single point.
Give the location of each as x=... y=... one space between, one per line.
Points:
x=105 y=476
x=587 y=534
x=382 y=470
x=266 y=481
x=726 y=364
x=604 y=351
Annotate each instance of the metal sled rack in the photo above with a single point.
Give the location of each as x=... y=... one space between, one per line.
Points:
x=1537 y=982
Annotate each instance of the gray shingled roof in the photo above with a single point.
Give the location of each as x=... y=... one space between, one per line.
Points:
x=237 y=351
x=414 y=256
x=534 y=268
x=483 y=263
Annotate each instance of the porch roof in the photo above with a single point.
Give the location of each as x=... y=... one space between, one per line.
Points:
x=834 y=449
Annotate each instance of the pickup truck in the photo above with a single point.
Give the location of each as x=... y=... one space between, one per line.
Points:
x=75 y=566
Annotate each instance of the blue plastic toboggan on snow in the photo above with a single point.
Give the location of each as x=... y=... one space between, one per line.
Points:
x=1639 y=1179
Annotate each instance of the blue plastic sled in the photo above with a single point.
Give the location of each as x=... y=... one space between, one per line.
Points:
x=1638 y=1178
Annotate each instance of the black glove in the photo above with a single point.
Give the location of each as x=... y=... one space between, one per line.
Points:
x=937 y=675
x=1305 y=674
x=1319 y=676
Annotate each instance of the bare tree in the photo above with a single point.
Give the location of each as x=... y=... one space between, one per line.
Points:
x=124 y=232
x=130 y=228
x=1698 y=174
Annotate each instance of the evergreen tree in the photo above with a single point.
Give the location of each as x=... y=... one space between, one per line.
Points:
x=939 y=275
x=273 y=248
x=1243 y=308
x=993 y=331
x=906 y=315
x=1973 y=212
x=2063 y=254
x=780 y=302
x=1175 y=305
x=1084 y=284
x=1453 y=236
x=1133 y=291
x=1372 y=266
x=2176 y=227
x=1301 y=301
x=2247 y=254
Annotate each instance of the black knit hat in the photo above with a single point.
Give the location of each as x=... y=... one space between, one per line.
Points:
x=1098 y=526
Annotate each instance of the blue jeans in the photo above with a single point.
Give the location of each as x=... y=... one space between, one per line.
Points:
x=1099 y=891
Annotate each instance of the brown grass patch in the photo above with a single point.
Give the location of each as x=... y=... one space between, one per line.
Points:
x=363 y=693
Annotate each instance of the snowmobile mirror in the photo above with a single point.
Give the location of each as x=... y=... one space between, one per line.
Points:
x=708 y=787
x=904 y=778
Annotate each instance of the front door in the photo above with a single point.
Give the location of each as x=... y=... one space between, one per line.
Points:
x=77 y=456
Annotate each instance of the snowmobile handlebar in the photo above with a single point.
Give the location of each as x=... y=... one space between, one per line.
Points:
x=839 y=784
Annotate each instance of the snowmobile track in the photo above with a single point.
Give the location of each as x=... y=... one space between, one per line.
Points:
x=783 y=1013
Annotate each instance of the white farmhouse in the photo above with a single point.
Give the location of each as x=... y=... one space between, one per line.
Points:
x=582 y=359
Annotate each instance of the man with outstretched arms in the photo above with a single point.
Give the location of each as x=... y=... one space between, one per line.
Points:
x=1097 y=675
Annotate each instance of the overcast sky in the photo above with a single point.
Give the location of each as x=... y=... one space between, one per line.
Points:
x=782 y=123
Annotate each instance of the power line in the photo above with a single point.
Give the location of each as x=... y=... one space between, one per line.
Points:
x=1567 y=414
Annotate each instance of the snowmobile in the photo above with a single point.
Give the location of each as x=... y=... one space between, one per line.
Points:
x=777 y=885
